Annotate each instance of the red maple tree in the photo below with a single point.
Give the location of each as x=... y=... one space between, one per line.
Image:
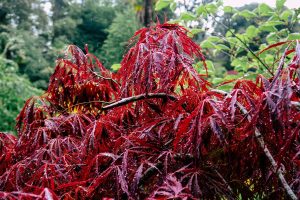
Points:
x=156 y=129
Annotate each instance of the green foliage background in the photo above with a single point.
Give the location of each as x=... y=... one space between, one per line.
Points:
x=115 y=46
x=14 y=91
x=232 y=38
x=33 y=37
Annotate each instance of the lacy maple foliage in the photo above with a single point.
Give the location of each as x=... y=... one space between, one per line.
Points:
x=155 y=129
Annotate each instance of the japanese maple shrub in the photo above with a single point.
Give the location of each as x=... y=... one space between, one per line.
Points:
x=155 y=130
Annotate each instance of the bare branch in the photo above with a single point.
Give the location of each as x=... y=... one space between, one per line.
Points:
x=137 y=98
x=278 y=170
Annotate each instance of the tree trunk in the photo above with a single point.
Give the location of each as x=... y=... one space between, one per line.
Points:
x=148 y=12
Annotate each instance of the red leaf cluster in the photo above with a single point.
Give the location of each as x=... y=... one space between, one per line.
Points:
x=154 y=130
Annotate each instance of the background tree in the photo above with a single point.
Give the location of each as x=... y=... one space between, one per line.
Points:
x=116 y=43
x=26 y=20
x=32 y=37
x=95 y=17
x=235 y=37
x=14 y=91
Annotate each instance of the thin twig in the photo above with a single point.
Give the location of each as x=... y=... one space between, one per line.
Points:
x=137 y=98
x=279 y=170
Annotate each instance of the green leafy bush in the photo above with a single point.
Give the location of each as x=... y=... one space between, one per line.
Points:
x=118 y=35
x=14 y=90
x=234 y=37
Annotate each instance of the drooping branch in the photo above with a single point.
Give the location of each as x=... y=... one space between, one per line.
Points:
x=137 y=98
x=278 y=170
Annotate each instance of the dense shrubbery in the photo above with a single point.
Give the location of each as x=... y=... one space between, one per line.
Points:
x=233 y=37
x=14 y=90
x=155 y=129
x=32 y=38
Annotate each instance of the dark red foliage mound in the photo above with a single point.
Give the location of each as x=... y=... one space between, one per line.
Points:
x=155 y=130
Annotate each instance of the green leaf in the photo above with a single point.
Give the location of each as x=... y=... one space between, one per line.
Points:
x=116 y=67
x=235 y=62
x=273 y=23
x=217 y=80
x=200 y=67
x=280 y=4
x=222 y=47
x=160 y=4
x=211 y=8
x=243 y=37
x=286 y=14
x=267 y=28
x=235 y=15
x=187 y=16
x=173 y=6
x=232 y=41
x=201 y=10
x=283 y=33
x=229 y=9
x=251 y=76
x=274 y=17
x=194 y=31
x=247 y=14
x=219 y=3
x=252 y=32
x=296 y=15
x=207 y=45
x=240 y=64
x=213 y=39
x=174 y=21
x=229 y=33
x=294 y=36
x=272 y=38
x=242 y=67
x=227 y=87
x=263 y=46
x=269 y=59
x=240 y=49
x=265 y=10
x=210 y=65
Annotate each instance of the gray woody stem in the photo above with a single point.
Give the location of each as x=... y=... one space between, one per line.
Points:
x=138 y=97
x=259 y=137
